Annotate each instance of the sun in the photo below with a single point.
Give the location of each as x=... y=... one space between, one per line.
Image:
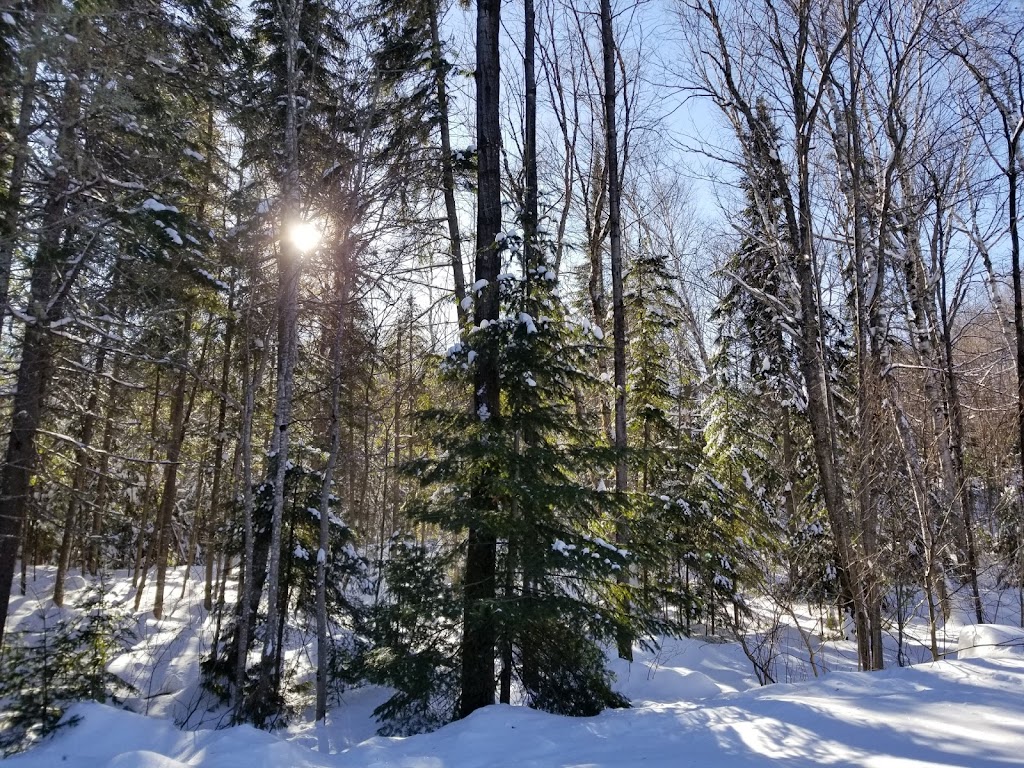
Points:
x=304 y=235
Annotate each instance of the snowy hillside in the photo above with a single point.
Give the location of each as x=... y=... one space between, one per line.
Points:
x=696 y=703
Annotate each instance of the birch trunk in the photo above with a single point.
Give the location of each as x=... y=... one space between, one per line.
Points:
x=289 y=270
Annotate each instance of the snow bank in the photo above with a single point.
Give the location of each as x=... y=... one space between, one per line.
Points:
x=951 y=713
x=990 y=641
x=113 y=737
x=682 y=669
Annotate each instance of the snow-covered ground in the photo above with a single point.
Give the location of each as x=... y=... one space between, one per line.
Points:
x=696 y=703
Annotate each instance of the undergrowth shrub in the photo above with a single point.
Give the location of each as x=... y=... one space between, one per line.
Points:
x=58 y=663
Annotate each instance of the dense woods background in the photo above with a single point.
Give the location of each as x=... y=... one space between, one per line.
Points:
x=477 y=349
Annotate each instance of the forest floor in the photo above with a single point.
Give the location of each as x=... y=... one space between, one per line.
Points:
x=696 y=702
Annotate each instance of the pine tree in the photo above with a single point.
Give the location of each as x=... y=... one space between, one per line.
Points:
x=557 y=596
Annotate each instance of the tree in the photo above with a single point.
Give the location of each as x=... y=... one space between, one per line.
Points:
x=478 y=631
x=105 y=184
x=729 y=81
x=615 y=258
x=556 y=593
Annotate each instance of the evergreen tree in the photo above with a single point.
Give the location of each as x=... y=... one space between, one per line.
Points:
x=412 y=639
x=558 y=596
x=44 y=672
x=757 y=437
x=677 y=514
x=113 y=138
x=345 y=581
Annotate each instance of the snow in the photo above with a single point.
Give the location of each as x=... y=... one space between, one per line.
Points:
x=942 y=714
x=561 y=547
x=209 y=277
x=990 y=641
x=696 y=702
x=151 y=204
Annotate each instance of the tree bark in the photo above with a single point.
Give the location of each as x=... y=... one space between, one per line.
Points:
x=219 y=440
x=478 y=632
x=333 y=446
x=248 y=595
x=624 y=640
x=447 y=168
x=168 y=497
x=78 y=491
x=289 y=267
x=20 y=153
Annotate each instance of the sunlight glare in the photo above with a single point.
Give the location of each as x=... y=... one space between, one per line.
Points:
x=304 y=235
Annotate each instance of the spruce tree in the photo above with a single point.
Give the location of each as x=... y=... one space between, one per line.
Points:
x=557 y=595
x=43 y=672
x=412 y=638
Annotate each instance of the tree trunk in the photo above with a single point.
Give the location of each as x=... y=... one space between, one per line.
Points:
x=1012 y=172
x=624 y=639
x=289 y=268
x=333 y=446
x=954 y=410
x=142 y=553
x=20 y=154
x=447 y=169
x=165 y=512
x=532 y=257
x=247 y=592
x=479 y=634
x=78 y=491
x=219 y=440
x=103 y=483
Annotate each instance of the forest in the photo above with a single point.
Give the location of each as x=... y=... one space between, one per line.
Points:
x=458 y=349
